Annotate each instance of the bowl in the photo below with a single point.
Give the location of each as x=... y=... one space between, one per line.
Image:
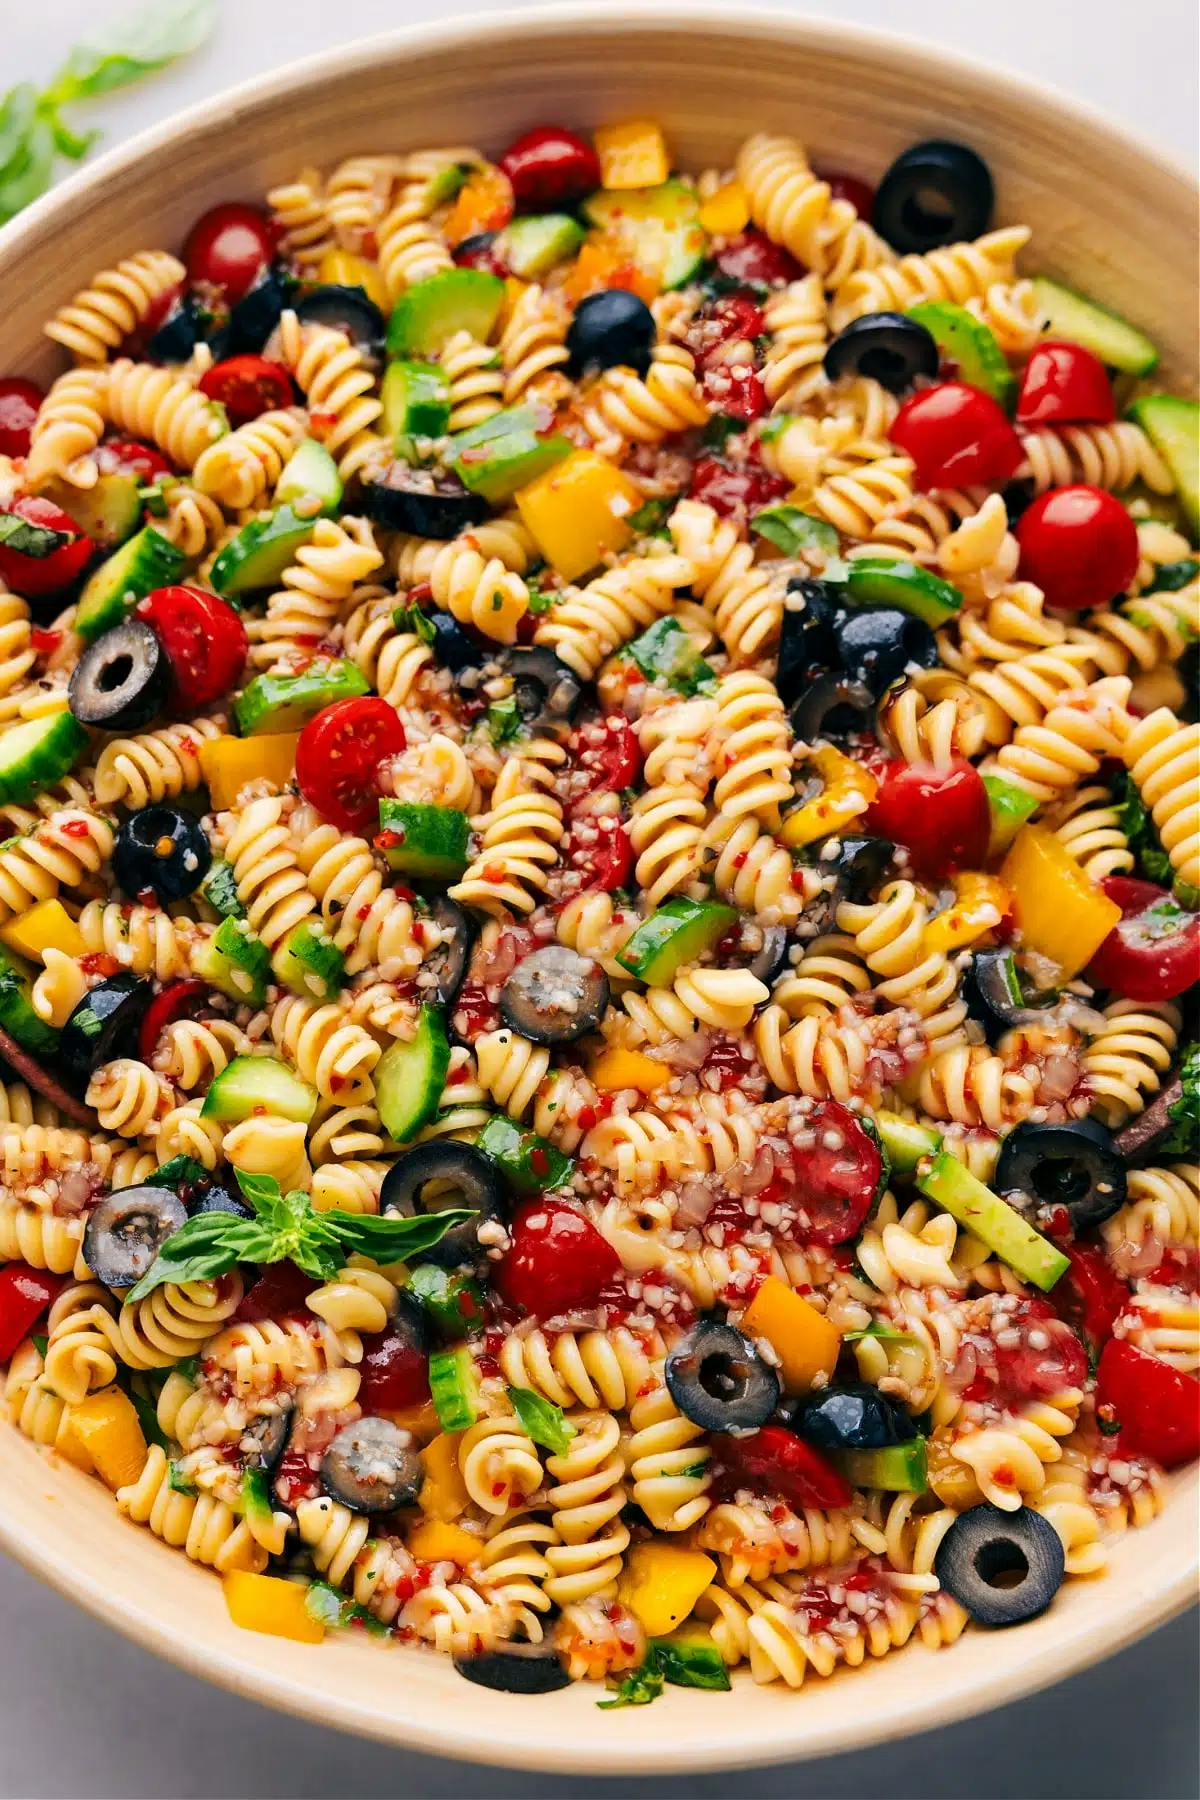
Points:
x=1110 y=216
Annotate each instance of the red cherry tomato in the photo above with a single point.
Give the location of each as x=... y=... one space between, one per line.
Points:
x=833 y=1183
x=19 y=402
x=395 y=1373
x=556 y=1260
x=178 y=1000
x=942 y=815
x=1154 y=952
x=1091 y=1294
x=338 y=758
x=281 y=1293
x=735 y=391
x=1156 y=1406
x=25 y=1294
x=35 y=575
x=229 y=248
x=204 y=639
x=751 y=256
x=860 y=194
x=775 y=1461
x=1079 y=545
x=1043 y=1358
x=735 y=493
x=956 y=436
x=129 y=456
x=736 y=315
x=550 y=167
x=247 y=386
x=1064 y=384
x=598 y=850
x=607 y=756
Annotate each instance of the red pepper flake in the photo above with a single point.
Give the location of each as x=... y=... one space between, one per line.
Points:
x=43 y=642
x=76 y=828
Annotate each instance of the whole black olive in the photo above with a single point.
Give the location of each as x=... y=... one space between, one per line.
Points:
x=854 y=1416
x=806 y=643
x=215 y=1197
x=515 y=1669
x=164 y=849
x=126 y=1230
x=1001 y=1567
x=185 y=326
x=935 y=193
x=547 y=692
x=121 y=681
x=1075 y=1165
x=103 y=1025
x=258 y=312
x=554 y=996
x=877 y=644
x=887 y=347
x=718 y=1380
x=454 y=648
x=610 y=329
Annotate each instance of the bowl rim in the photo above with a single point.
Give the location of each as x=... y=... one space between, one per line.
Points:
x=808 y=1737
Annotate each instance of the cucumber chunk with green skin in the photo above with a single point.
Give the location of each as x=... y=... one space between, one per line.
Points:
x=416 y=401
x=310 y=963
x=428 y=313
x=658 y=227
x=968 y=343
x=896 y=1468
x=147 y=561
x=1010 y=807
x=905 y=1141
x=251 y=1084
x=254 y=1498
x=450 y=1300
x=894 y=581
x=690 y=1659
x=1173 y=426
x=17 y=1015
x=507 y=451
x=527 y=1162
x=792 y=531
x=35 y=755
x=430 y=841
x=219 y=888
x=235 y=962
x=679 y=932
x=260 y=552
x=278 y=703
x=108 y=513
x=1066 y=314
x=667 y=654
x=531 y=246
x=993 y=1221
x=310 y=482
x=410 y=1077
x=454 y=1388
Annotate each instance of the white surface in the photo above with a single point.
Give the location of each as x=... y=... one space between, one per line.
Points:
x=82 y=1712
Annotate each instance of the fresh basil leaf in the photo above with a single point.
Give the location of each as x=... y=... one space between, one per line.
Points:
x=321 y=1264
x=18 y=109
x=180 y=1171
x=503 y=720
x=72 y=144
x=1170 y=577
x=884 y=1333
x=390 y=1237
x=541 y=1420
x=148 y=39
x=41 y=1344
x=147 y=1414
x=639 y=1687
x=324 y=1604
x=189 y=1368
x=411 y=618
x=695 y=1664
x=259 y=1190
x=204 y=1247
x=178 y=1482
x=30 y=171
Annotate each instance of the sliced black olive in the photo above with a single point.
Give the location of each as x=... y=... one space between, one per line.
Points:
x=126 y=1231
x=457 y=1175
x=449 y=960
x=718 y=1380
x=186 y=325
x=547 y=693
x=833 y=707
x=515 y=1669
x=554 y=996
x=121 y=681
x=103 y=1025
x=861 y=864
x=1075 y=1165
x=257 y=313
x=877 y=644
x=888 y=347
x=264 y=1440
x=1001 y=1567
x=611 y=328
x=372 y=1467
x=164 y=849
x=807 y=643
x=935 y=193
x=421 y=503
x=344 y=309
x=769 y=958
x=995 y=996
x=454 y=648
x=855 y=1416
x=215 y=1197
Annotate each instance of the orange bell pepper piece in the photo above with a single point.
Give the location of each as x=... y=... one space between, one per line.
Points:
x=1061 y=914
x=271 y=1605
x=107 y=1426
x=485 y=203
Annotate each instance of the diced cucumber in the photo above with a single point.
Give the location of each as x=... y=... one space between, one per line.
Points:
x=35 y=755
x=792 y=531
x=679 y=932
x=894 y=581
x=1010 y=807
x=310 y=482
x=235 y=962
x=968 y=343
x=220 y=890
x=260 y=552
x=254 y=1499
x=659 y=227
x=430 y=842
x=528 y=1163
x=1066 y=314
x=259 y=1084
x=429 y=312
x=451 y=1300
x=454 y=1388
x=310 y=963
x=896 y=1468
x=416 y=401
x=108 y=513
x=147 y=561
x=507 y=451
x=17 y=1015
x=410 y=1077
x=1173 y=426
x=286 y=702
x=532 y=245
x=666 y=653
x=993 y=1221
x=905 y=1141
x=691 y=1659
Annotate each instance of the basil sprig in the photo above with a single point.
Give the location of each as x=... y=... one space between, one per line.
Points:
x=541 y=1420
x=285 y=1228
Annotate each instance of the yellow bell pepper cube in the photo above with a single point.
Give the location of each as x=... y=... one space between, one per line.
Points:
x=726 y=212
x=848 y=788
x=632 y=154
x=1061 y=914
x=228 y=763
x=107 y=1426
x=344 y=269
x=617 y=1068
x=803 y=1339
x=268 y=1604
x=443 y=1493
x=578 y=511
x=46 y=926
x=980 y=902
x=661 y=1583
x=436 y=1540
x=421 y=1421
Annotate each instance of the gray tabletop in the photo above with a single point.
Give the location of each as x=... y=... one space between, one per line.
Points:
x=82 y=1712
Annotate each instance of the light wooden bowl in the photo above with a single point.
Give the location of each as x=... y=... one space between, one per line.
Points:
x=1110 y=216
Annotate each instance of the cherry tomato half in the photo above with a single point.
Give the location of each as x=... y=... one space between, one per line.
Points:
x=860 y=194
x=556 y=1260
x=942 y=815
x=280 y=1293
x=549 y=168
x=834 y=1182
x=1064 y=384
x=129 y=456
x=1154 y=952
x=1154 y=1404
x=338 y=758
x=229 y=248
x=775 y=1461
x=751 y=256
x=394 y=1372
x=25 y=1294
x=735 y=391
x=735 y=493
x=1079 y=545
x=956 y=436
x=35 y=575
x=1092 y=1294
x=19 y=402
x=606 y=756
x=178 y=1000
x=204 y=639
x=736 y=315
x=599 y=851
x=247 y=386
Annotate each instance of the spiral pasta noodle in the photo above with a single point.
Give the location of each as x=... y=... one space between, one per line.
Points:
x=113 y=304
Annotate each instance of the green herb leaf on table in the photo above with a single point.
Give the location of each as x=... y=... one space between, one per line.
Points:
x=541 y=1420
x=638 y=1688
